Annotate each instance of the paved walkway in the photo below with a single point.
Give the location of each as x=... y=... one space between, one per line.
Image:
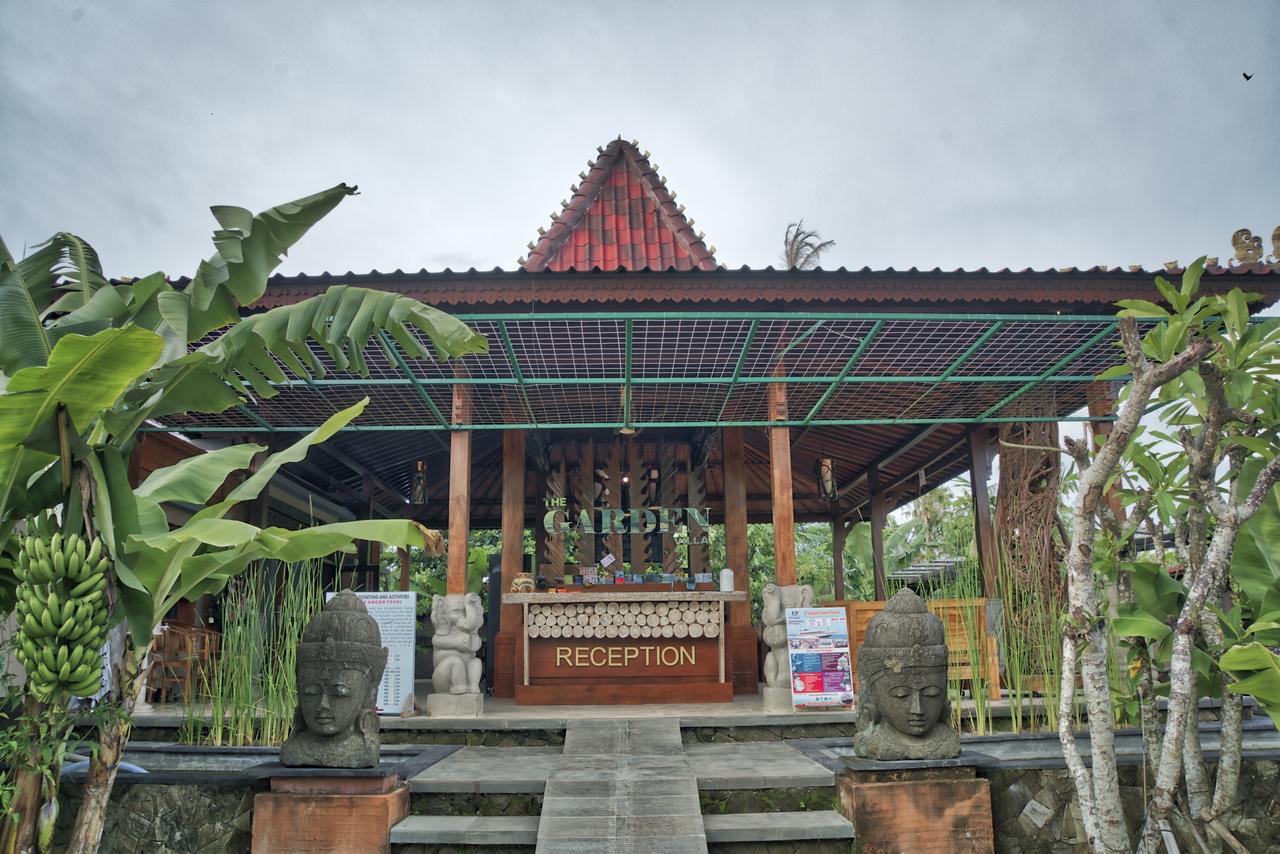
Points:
x=620 y=787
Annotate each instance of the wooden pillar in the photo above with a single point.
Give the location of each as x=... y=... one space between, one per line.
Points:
x=784 y=533
x=459 y=492
x=735 y=519
x=879 y=518
x=981 y=454
x=403 y=554
x=838 y=534
x=512 y=517
x=372 y=548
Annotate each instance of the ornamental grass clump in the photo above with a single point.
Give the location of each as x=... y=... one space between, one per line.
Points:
x=249 y=694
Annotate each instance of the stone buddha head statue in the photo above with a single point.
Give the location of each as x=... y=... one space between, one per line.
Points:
x=903 y=712
x=340 y=664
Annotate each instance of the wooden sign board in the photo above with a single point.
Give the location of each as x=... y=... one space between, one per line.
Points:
x=616 y=660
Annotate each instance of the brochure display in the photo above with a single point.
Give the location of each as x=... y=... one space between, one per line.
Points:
x=818 y=642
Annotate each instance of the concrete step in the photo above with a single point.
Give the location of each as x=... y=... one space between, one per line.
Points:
x=466 y=830
x=776 y=826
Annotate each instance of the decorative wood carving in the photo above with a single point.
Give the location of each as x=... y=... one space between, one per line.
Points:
x=672 y=559
x=699 y=553
x=554 y=542
x=638 y=498
x=585 y=491
x=611 y=493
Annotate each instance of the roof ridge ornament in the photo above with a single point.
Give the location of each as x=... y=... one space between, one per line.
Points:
x=622 y=216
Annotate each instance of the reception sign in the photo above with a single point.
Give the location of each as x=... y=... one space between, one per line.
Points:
x=818 y=643
x=396 y=616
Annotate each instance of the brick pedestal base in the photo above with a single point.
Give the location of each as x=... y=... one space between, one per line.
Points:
x=319 y=815
x=918 y=810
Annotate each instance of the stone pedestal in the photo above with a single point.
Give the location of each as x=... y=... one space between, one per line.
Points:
x=455 y=705
x=777 y=699
x=908 y=807
x=326 y=811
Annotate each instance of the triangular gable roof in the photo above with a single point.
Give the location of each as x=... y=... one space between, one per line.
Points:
x=620 y=216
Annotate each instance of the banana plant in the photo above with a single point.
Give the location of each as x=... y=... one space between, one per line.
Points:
x=85 y=361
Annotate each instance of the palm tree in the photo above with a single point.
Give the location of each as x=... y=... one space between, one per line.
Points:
x=802 y=248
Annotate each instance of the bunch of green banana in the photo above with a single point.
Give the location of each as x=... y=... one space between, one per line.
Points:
x=61 y=610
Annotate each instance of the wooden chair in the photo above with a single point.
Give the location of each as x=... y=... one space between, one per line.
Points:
x=965 y=624
x=179 y=655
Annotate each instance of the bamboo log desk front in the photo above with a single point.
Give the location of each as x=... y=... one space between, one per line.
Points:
x=610 y=647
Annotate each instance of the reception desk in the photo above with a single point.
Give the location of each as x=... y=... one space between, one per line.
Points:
x=612 y=647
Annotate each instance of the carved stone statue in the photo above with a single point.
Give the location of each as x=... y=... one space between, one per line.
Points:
x=777 y=664
x=903 y=712
x=457 y=619
x=340 y=663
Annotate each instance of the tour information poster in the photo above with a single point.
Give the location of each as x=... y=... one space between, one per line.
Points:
x=396 y=615
x=818 y=642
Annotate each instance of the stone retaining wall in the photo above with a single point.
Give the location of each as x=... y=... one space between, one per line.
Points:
x=168 y=818
x=1036 y=810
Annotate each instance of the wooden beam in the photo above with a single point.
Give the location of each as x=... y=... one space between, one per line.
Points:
x=735 y=520
x=459 y=492
x=344 y=460
x=916 y=438
x=784 y=533
x=981 y=453
x=512 y=518
x=879 y=517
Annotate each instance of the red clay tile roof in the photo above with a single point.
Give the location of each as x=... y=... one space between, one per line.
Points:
x=621 y=217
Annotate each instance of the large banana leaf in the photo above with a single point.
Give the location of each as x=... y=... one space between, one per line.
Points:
x=341 y=321
x=248 y=248
x=59 y=275
x=157 y=567
x=1255 y=561
x=85 y=375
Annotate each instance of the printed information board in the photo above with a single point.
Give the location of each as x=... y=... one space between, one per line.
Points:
x=397 y=617
x=818 y=643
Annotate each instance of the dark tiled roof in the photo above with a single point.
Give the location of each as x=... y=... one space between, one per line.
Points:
x=620 y=217
x=1075 y=289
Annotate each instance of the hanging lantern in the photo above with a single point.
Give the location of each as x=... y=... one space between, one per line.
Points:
x=827 y=478
x=418 y=494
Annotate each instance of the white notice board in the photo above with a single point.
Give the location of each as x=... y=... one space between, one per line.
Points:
x=397 y=617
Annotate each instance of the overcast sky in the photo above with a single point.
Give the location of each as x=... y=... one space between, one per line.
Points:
x=950 y=134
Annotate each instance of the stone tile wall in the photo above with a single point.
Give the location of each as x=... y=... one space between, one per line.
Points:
x=168 y=819
x=1036 y=810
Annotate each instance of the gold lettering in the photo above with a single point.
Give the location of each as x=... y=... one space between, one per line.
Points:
x=603 y=656
x=662 y=656
x=686 y=652
x=647 y=650
x=615 y=656
x=562 y=655
x=580 y=657
x=630 y=654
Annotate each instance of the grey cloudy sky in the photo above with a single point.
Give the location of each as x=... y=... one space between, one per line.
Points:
x=956 y=134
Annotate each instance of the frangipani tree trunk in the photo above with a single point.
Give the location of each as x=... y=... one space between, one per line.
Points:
x=1205 y=369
